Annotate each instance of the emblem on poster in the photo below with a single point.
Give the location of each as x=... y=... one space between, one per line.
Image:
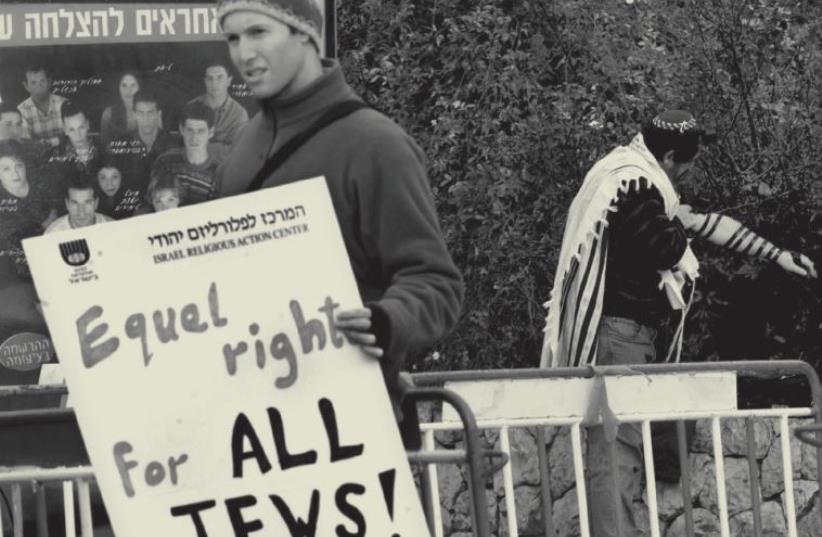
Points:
x=75 y=253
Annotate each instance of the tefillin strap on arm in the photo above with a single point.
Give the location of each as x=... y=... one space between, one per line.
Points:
x=335 y=112
x=742 y=240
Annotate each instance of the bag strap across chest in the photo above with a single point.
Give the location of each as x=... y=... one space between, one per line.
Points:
x=334 y=113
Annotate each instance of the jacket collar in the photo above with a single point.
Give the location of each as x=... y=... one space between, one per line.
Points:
x=312 y=100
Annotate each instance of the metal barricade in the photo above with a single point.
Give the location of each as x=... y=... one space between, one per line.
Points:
x=487 y=393
x=44 y=446
x=40 y=447
x=481 y=463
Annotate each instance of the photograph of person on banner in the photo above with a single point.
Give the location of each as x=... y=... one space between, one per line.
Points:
x=138 y=151
x=193 y=165
x=229 y=116
x=117 y=199
x=78 y=149
x=81 y=203
x=41 y=111
x=118 y=120
x=26 y=209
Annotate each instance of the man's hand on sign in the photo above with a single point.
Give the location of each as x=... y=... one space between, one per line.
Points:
x=356 y=325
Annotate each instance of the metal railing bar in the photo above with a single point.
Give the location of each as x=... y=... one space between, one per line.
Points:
x=650 y=478
x=44 y=474
x=508 y=484
x=753 y=475
x=68 y=508
x=545 y=485
x=787 y=469
x=816 y=394
x=762 y=369
x=40 y=510
x=84 y=502
x=17 y=508
x=719 y=463
x=33 y=389
x=495 y=423
x=441 y=456
x=685 y=478
x=432 y=496
x=579 y=475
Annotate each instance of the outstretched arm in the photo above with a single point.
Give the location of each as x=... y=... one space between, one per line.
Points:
x=728 y=233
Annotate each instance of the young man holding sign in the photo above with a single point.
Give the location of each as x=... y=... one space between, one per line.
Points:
x=312 y=124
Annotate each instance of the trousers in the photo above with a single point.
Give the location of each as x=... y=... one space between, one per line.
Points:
x=620 y=341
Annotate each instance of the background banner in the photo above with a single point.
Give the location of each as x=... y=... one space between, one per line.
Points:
x=98 y=56
x=72 y=24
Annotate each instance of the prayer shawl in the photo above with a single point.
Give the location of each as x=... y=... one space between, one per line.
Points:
x=575 y=305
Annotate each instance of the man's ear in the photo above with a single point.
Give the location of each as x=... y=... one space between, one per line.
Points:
x=303 y=37
x=668 y=158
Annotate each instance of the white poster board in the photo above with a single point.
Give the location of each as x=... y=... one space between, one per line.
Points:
x=213 y=396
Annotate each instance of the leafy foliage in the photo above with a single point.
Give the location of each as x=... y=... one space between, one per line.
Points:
x=514 y=100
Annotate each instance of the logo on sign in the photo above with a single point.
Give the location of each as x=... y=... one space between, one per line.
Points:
x=75 y=253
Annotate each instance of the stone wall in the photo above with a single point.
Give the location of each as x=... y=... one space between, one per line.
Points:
x=455 y=497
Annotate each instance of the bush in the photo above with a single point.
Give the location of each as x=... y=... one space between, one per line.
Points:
x=514 y=100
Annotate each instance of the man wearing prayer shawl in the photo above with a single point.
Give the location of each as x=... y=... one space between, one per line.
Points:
x=625 y=264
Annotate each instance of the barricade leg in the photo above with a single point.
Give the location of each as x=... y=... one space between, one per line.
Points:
x=430 y=490
x=17 y=509
x=68 y=508
x=473 y=456
x=787 y=468
x=545 y=484
x=579 y=475
x=811 y=434
x=508 y=484
x=721 y=491
x=650 y=478
x=685 y=478
x=753 y=471
x=84 y=500
x=41 y=513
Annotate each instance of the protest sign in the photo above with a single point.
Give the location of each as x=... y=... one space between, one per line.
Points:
x=213 y=393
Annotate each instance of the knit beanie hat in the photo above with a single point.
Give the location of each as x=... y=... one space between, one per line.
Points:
x=303 y=15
